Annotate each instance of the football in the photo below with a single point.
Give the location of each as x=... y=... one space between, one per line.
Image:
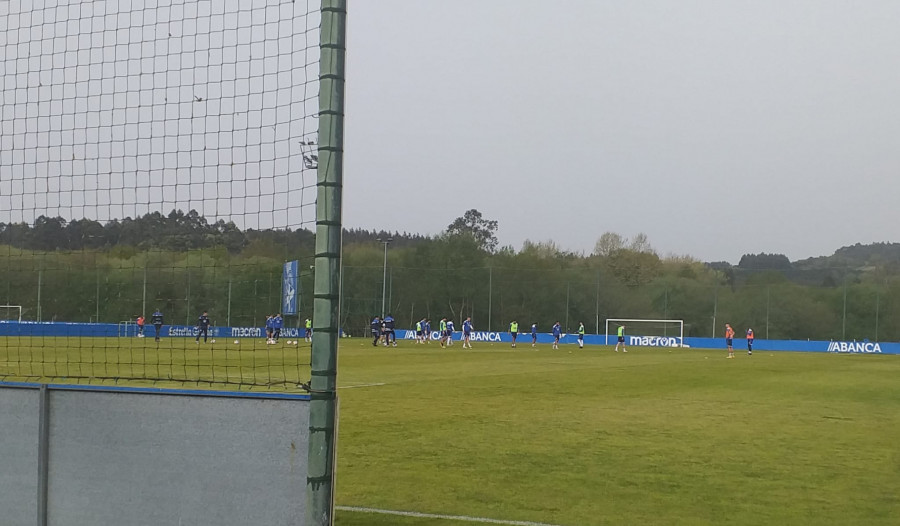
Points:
x=235 y=341
x=212 y=341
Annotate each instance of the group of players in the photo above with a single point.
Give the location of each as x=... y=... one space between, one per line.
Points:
x=557 y=333
x=729 y=340
x=274 y=324
x=383 y=332
x=157 y=319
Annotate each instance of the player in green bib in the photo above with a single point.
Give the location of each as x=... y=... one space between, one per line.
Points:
x=514 y=331
x=621 y=340
x=443 y=329
x=419 y=328
x=580 y=335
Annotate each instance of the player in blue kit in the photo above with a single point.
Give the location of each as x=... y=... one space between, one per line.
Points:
x=450 y=330
x=270 y=328
x=376 y=330
x=277 y=324
x=467 y=333
x=202 y=326
x=390 y=337
x=157 y=320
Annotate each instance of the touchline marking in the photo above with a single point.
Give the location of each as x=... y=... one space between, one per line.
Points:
x=360 y=385
x=445 y=517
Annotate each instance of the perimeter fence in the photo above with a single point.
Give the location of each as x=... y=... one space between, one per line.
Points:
x=849 y=307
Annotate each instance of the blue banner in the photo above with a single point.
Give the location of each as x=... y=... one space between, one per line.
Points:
x=67 y=329
x=290 y=295
x=650 y=342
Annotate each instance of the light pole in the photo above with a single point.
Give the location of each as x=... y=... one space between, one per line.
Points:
x=384 y=242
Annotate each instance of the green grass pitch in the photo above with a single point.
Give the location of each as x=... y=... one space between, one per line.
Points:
x=591 y=437
x=595 y=437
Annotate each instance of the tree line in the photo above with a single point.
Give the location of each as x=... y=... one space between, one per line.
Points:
x=87 y=271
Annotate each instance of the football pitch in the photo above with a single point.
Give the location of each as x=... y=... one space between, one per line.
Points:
x=495 y=435
x=595 y=437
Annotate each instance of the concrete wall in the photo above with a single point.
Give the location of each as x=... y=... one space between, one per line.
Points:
x=19 y=420
x=150 y=457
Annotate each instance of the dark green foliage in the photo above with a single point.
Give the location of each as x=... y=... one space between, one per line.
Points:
x=473 y=225
x=858 y=255
x=765 y=262
x=89 y=271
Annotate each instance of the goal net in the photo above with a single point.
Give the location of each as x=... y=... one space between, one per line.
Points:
x=646 y=333
x=10 y=313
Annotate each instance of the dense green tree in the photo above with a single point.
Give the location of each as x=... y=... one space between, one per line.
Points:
x=765 y=262
x=608 y=244
x=473 y=224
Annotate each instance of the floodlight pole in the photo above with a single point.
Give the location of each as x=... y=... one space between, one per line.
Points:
x=384 y=242
x=228 y=316
x=323 y=405
x=716 y=310
x=597 y=312
x=40 y=280
x=877 y=301
x=490 y=294
x=97 y=297
x=144 y=297
x=187 y=297
x=844 y=325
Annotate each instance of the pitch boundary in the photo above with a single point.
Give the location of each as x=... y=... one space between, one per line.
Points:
x=462 y=518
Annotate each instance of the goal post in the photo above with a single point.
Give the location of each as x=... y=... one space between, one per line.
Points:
x=15 y=310
x=655 y=333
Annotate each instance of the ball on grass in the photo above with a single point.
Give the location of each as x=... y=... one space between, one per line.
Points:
x=235 y=342
x=212 y=341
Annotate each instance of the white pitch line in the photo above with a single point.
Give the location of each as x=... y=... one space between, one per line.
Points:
x=462 y=518
x=359 y=385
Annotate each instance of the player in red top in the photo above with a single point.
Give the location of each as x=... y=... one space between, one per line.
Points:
x=729 y=339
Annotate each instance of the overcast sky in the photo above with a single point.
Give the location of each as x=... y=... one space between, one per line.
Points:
x=120 y=108
x=716 y=128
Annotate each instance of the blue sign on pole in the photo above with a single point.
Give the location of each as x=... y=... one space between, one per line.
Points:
x=290 y=295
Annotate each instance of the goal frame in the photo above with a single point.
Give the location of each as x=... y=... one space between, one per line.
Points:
x=14 y=307
x=123 y=327
x=629 y=320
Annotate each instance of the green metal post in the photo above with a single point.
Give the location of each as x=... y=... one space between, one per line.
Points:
x=326 y=293
x=490 y=294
